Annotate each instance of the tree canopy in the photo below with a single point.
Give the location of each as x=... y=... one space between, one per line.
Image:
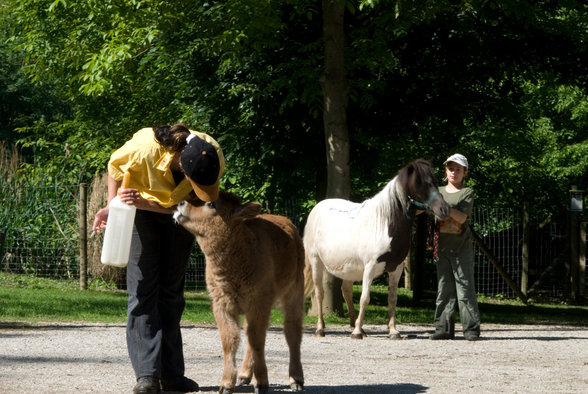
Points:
x=502 y=82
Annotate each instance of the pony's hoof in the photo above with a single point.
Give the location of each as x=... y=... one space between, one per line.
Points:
x=319 y=333
x=297 y=387
x=357 y=336
x=224 y=390
x=395 y=336
x=243 y=381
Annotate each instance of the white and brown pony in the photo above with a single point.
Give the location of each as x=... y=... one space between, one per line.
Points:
x=359 y=241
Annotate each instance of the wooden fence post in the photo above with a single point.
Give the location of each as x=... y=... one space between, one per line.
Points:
x=526 y=239
x=582 y=260
x=83 y=233
x=577 y=256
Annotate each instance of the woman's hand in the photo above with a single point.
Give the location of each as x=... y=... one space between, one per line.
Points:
x=133 y=197
x=130 y=196
x=100 y=220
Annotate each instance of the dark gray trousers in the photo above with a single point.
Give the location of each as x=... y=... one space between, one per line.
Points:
x=455 y=290
x=160 y=250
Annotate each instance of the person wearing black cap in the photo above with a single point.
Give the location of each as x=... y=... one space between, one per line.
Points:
x=455 y=264
x=167 y=164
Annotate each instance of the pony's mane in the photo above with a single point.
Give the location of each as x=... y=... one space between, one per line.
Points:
x=422 y=170
x=383 y=208
x=391 y=202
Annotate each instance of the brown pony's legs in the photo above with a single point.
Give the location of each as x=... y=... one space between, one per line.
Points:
x=228 y=326
x=293 y=303
x=257 y=325
x=246 y=372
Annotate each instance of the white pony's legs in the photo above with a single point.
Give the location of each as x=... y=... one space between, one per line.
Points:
x=368 y=277
x=347 y=290
x=317 y=277
x=393 y=278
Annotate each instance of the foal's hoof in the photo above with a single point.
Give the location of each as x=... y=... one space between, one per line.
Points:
x=224 y=390
x=395 y=336
x=243 y=381
x=296 y=387
x=319 y=333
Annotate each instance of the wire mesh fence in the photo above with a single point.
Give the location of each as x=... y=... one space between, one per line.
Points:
x=40 y=231
x=502 y=234
x=547 y=257
x=40 y=235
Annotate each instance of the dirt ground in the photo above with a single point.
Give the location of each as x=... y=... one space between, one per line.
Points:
x=87 y=358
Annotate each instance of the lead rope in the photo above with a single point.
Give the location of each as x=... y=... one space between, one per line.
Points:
x=433 y=238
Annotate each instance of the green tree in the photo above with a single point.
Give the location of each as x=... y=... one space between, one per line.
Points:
x=482 y=77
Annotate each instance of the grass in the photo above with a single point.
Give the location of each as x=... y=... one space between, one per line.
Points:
x=31 y=300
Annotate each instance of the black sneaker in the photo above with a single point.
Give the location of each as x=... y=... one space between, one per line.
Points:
x=181 y=384
x=147 y=385
x=441 y=335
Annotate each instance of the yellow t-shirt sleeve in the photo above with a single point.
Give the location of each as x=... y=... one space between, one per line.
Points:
x=121 y=161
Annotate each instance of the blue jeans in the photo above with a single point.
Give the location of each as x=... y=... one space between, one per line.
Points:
x=160 y=250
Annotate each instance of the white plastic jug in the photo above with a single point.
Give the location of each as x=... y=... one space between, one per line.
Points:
x=116 y=246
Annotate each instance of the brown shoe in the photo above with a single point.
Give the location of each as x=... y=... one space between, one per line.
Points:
x=147 y=385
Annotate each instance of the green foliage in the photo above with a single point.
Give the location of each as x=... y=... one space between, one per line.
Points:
x=502 y=82
x=492 y=80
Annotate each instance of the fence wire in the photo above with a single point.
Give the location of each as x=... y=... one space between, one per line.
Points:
x=40 y=231
x=503 y=236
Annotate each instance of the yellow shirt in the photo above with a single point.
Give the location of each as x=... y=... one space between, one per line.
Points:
x=149 y=165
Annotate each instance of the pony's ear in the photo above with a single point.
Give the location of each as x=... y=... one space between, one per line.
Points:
x=410 y=169
x=248 y=210
x=405 y=173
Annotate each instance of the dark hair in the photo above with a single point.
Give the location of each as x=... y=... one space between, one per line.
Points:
x=173 y=138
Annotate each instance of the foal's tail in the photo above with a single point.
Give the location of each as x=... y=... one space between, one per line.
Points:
x=308 y=282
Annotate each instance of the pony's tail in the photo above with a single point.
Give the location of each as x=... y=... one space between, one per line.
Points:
x=308 y=282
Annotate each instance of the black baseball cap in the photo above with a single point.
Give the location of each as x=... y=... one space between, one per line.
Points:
x=203 y=167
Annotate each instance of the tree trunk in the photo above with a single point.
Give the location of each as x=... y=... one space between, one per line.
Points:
x=335 y=92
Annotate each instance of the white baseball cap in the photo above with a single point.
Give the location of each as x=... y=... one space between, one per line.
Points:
x=457 y=158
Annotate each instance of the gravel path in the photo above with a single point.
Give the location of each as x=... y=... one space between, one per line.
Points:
x=86 y=358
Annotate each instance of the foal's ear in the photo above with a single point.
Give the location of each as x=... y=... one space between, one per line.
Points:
x=248 y=210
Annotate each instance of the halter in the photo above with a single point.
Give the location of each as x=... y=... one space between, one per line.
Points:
x=426 y=207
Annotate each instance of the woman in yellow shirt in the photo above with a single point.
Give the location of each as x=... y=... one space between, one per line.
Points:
x=167 y=164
